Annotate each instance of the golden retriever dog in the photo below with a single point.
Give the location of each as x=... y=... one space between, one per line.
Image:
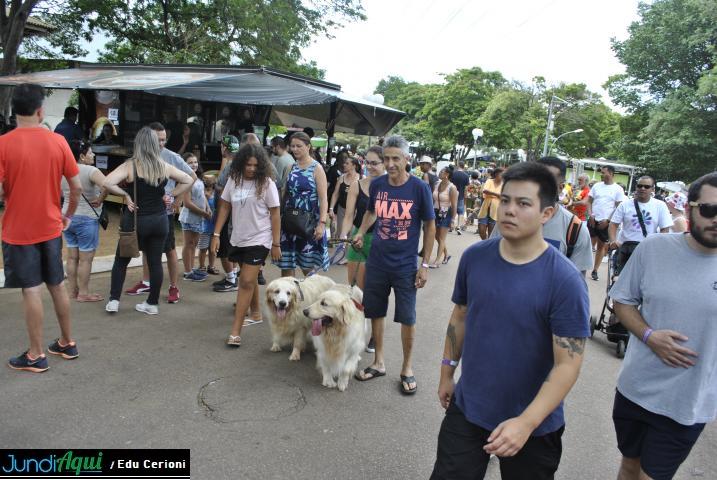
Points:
x=338 y=329
x=286 y=299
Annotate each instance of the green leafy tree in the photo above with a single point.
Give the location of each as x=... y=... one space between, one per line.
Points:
x=669 y=89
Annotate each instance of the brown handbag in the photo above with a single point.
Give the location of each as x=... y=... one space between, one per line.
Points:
x=128 y=243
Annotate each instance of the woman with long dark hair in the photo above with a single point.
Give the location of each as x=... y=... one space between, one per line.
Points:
x=445 y=201
x=252 y=198
x=152 y=173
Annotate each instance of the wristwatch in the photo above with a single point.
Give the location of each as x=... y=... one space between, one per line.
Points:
x=216 y=235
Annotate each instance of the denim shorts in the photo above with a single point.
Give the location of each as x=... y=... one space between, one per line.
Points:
x=461 y=207
x=192 y=227
x=378 y=288
x=486 y=221
x=83 y=233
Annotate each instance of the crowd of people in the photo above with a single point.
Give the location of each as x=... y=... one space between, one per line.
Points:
x=519 y=359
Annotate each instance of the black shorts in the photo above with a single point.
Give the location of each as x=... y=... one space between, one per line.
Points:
x=659 y=442
x=600 y=233
x=224 y=245
x=254 y=255
x=28 y=266
x=169 y=243
x=461 y=455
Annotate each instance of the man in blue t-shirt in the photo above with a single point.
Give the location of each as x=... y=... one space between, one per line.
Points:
x=398 y=203
x=518 y=326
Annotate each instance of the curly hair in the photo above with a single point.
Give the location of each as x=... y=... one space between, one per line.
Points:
x=241 y=158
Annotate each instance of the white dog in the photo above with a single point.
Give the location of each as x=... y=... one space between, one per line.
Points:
x=338 y=330
x=286 y=299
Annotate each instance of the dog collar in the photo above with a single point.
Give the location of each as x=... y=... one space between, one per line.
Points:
x=358 y=305
x=298 y=285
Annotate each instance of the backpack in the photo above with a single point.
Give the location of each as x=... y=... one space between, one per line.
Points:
x=572 y=234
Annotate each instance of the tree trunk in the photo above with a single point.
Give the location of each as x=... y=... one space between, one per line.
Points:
x=12 y=36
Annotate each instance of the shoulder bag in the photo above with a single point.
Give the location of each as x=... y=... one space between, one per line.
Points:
x=640 y=219
x=295 y=221
x=102 y=217
x=128 y=243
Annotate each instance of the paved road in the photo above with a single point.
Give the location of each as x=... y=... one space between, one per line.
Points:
x=168 y=381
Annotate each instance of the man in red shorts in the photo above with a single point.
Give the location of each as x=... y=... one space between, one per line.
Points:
x=32 y=162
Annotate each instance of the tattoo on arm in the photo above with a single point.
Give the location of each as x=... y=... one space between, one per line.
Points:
x=451 y=336
x=574 y=346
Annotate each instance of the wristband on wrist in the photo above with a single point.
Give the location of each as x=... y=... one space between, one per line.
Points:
x=449 y=362
x=646 y=335
x=69 y=217
x=276 y=245
x=424 y=265
x=215 y=235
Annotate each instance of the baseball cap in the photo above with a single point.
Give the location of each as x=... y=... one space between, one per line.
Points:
x=231 y=142
x=426 y=159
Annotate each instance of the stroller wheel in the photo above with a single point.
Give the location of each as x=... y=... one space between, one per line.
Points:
x=620 y=348
x=593 y=323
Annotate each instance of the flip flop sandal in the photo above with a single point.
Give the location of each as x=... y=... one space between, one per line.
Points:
x=234 y=341
x=90 y=297
x=433 y=265
x=407 y=379
x=250 y=321
x=445 y=260
x=369 y=371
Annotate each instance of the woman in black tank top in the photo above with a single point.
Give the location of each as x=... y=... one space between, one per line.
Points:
x=337 y=205
x=356 y=204
x=149 y=174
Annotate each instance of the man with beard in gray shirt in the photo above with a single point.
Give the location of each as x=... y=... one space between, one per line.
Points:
x=666 y=297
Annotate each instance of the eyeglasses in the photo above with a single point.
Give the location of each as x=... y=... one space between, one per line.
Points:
x=643 y=186
x=375 y=163
x=707 y=210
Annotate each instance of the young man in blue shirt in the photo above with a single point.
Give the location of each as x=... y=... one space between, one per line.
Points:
x=518 y=327
x=398 y=203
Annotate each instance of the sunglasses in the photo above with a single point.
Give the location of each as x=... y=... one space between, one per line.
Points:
x=643 y=186
x=707 y=210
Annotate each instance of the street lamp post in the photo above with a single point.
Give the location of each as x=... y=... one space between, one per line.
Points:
x=577 y=130
x=549 y=126
x=477 y=135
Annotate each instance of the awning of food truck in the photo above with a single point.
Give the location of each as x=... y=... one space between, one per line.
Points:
x=295 y=100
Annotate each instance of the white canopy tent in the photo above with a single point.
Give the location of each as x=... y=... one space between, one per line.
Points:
x=595 y=164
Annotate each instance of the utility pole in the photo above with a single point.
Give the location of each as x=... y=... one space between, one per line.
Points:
x=549 y=126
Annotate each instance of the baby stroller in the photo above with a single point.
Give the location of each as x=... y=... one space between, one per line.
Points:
x=611 y=327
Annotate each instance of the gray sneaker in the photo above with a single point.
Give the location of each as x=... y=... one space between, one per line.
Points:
x=145 y=307
x=371 y=347
x=112 y=306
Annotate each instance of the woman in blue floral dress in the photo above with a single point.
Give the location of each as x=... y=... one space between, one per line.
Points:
x=305 y=189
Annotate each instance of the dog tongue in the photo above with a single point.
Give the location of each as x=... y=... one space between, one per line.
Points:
x=316 y=327
x=281 y=312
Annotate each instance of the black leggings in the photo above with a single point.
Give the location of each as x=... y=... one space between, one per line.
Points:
x=151 y=234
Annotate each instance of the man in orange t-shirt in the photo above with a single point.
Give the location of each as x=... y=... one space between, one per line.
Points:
x=580 y=200
x=33 y=160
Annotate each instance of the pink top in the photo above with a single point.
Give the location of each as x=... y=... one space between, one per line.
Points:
x=251 y=223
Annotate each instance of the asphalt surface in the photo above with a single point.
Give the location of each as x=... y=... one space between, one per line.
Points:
x=168 y=381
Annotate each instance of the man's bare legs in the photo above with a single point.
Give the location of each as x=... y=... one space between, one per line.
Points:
x=408 y=335
x=630 y=470
x=34 y=313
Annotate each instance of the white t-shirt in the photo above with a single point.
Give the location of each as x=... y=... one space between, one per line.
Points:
x=655 y=214
x=604 y=199
x=251 y=221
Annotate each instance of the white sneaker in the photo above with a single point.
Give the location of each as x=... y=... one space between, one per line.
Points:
x=112 y=306
x=147 y=308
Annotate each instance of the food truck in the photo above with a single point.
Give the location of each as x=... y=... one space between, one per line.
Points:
x=199 y=104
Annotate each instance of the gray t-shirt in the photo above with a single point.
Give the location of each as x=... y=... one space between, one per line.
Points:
x=89 y=190
x=282 y=165
x=676 y=288
x=177 y=162
x=555 y=232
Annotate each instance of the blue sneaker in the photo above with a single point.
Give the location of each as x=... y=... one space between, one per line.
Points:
x=195 y=277
x=68 y=352
x=200 y=272
x=22 y=362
